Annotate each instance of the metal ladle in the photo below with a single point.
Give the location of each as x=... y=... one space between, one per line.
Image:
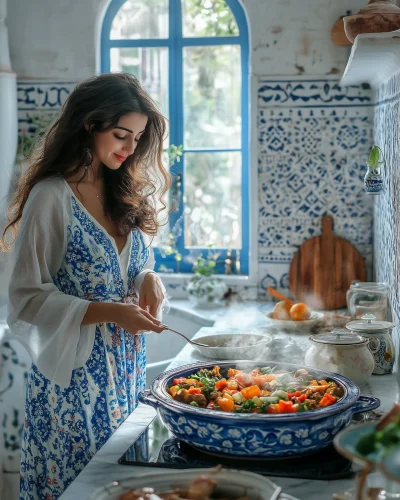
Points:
x=184 y=336
x=199 y=343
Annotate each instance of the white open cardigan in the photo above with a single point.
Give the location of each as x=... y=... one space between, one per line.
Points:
x=44 y=319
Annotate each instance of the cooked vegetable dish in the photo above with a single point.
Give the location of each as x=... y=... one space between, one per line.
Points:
x=262 y=390
x=201 y=488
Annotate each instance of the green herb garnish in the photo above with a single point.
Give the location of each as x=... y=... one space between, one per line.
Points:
x=204 y=376
x=246 y=407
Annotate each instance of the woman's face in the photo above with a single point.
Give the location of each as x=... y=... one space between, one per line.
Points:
x=113 y=147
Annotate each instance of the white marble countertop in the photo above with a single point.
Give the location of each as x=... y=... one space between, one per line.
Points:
x=104 y=468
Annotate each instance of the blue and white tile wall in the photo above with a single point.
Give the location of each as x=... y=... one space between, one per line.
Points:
x=386 y=212
x=313 y=140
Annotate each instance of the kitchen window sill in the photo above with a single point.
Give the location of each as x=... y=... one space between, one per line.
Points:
x=229 y=279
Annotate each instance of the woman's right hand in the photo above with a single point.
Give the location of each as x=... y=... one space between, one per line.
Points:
x=136 y=320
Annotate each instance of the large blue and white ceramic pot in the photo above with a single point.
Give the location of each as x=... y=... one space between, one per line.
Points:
x=255 y=435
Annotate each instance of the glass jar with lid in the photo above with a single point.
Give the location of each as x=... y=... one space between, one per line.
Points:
x=368 y=298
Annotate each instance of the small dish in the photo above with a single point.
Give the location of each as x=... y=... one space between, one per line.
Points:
x=346 y=441
x=230 y=482
x=316 y=319
x=233 y=346
x=380 y=469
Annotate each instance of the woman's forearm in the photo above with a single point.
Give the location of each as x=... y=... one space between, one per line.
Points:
x=102 y=312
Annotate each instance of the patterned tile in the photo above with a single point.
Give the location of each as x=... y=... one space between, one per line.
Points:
x=386 y=213
x=275 y=275
x=306 y=93
x=349 y=133
x=39 y=99
x=292 y=186
x=303 y=157
x=275 y=136
x=276 y=255
x=290 y=231
x=42 y=95
x=314 y=138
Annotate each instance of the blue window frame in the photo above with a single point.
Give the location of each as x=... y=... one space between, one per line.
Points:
x=176 y=44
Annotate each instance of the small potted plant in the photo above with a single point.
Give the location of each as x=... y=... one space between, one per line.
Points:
x=204 y=288
x=373 y=182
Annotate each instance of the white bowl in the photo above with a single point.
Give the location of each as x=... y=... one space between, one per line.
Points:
x=233 y=345
x=316 y=319
x=230 y=482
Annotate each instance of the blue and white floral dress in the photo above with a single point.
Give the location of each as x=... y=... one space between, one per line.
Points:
x=84 y=380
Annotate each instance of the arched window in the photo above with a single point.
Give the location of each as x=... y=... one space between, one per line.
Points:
x=192 y=57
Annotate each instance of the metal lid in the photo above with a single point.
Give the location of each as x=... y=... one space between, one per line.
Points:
x=368 y=324
x=338 y=337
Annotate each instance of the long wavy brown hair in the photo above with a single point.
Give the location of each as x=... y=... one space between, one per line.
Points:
x=134 y=193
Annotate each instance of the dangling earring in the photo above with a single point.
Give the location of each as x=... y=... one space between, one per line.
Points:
x=88 y=157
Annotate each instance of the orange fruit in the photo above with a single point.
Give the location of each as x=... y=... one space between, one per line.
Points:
x=281 y=310
x=300 y=312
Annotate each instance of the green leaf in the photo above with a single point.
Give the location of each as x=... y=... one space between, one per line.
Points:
x=373 y=159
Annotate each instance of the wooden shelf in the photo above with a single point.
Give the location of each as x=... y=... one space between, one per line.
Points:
x=374 y=58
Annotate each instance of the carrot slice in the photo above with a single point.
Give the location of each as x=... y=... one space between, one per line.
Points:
x=279 y=296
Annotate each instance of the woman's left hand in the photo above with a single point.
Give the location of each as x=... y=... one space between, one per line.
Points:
x=151 y=294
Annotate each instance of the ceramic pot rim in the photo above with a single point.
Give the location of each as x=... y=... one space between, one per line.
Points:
x=159 y=392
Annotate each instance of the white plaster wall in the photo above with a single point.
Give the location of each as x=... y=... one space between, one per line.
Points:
x=58 y=39
x=54 y=39
x=290 y=37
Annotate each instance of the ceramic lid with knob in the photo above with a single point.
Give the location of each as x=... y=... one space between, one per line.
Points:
x=338 y=337
x=369 y=324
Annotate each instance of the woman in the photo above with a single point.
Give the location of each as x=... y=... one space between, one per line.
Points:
x=83 y=290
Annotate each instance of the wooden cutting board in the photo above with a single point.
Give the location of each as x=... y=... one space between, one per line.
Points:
x=323 y=268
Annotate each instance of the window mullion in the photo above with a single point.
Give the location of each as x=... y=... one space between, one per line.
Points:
x=141 y=43
x=176 y=102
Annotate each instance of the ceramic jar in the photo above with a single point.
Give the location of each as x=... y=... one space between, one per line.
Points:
x=343 y=353
x=380 y=341
x=373 y=180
